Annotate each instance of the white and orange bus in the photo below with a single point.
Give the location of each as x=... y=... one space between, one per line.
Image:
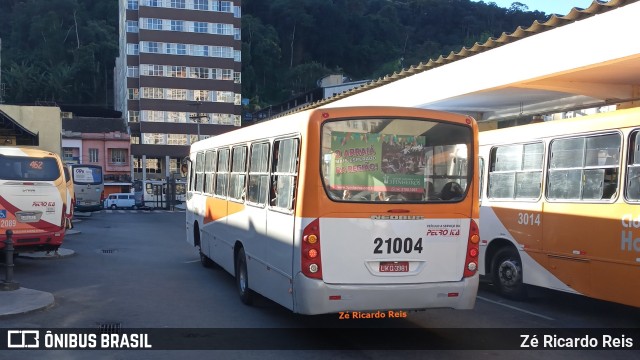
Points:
x=561 y=206
x=33 y=199
x=342 y=209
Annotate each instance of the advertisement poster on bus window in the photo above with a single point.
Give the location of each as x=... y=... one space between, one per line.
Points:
x=377 y=162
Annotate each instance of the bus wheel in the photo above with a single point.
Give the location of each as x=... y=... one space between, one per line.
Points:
x=205 y=260
x=507 y=273
x=242 y=278
x=113 y=207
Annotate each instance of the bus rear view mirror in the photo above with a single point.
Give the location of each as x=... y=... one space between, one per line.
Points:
x=184 y=166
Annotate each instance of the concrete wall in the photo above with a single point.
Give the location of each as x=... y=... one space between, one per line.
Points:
x=42 y=120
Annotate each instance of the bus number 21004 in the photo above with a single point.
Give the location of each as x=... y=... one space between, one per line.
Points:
x=397 y=245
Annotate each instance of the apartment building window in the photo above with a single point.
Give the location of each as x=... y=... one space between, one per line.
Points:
x=133 y=49
x=133 y=93
x=173 y=165
x=223 y=29
x=132 y=5
x=200 y=27
x=176 y=117
x=93 y=155
x=133 y=72
x=67 y=154
x=150 y=47
x=199 y=72
x=226 y=6
x=200 y=50
x=119 y=156
x=171 y=49
x=153 y=166
x=176 y=139
x=182 y=49
x=137 y=164
x=222 y=52
x=132 y=26
x=153 y=70
x=237 y=56
x=201 y=95
x=154 y=24
x=152 y=93
x=227 y=74
x=135 y=139
x=154 y=139
x=237 y=34
x=237 y=12
x=178 y=71
x=177 y=25
x=178 y=4
x=154 y=116
x=201 y=4
x=154 y=3
x=237 y=78
x=177 y=94
x=134 y=115
x=224 y=96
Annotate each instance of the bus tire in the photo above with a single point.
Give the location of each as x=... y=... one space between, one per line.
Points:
x=507 y=273
x=113 y=207
x=242 y=278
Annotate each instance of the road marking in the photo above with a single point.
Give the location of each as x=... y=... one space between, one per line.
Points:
x=516 y=308
x=192 y=261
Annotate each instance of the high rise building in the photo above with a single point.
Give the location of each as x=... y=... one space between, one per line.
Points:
x=177 y=78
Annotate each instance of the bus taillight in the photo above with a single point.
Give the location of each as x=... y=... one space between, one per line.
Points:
x=473 y=249
x=311 y=262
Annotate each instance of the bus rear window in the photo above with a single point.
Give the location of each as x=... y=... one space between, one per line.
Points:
x=28 y=168
x=396 y=160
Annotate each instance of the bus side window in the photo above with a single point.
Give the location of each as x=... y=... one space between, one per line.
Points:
x=284 y=173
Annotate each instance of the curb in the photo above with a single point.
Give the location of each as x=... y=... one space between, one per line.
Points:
x=24 y=300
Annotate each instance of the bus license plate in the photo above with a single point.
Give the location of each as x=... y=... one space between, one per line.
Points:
x=394 y=266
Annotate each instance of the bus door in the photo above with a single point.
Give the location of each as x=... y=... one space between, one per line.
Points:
x=280 y=216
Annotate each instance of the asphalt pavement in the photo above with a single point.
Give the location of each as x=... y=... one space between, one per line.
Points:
x=23 y=300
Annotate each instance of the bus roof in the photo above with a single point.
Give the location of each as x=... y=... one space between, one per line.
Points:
x=603 y=121
x=298 y=123
x=25 y=151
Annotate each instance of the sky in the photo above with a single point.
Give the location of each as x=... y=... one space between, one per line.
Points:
x=560 y=7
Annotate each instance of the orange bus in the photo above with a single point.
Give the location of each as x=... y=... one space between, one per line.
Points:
x=342 y=209
x=561 y=206
x=33 y=199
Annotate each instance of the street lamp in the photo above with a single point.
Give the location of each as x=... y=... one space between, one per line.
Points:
x=197 y=118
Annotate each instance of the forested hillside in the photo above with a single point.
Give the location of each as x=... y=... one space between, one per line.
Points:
x=59 y=50
x=289 y=44
x=65 y=50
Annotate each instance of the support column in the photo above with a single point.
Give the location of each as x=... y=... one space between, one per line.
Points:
x=144 y=168
x=167 y=169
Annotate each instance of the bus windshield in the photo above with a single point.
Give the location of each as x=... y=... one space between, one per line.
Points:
x=397 y=160
x=28 y=168
x=87 y=175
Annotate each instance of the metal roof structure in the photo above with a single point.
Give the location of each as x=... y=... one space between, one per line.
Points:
x=587 y=58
